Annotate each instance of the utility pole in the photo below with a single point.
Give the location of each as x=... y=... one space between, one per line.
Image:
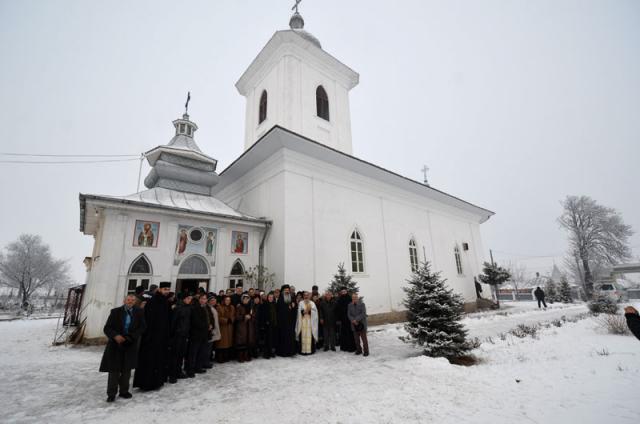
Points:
x=491 y=255
x=140 y=172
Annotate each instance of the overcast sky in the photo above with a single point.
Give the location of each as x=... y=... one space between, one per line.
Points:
x=512 y=104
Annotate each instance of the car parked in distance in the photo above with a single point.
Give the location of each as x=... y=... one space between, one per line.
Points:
x=612 y=290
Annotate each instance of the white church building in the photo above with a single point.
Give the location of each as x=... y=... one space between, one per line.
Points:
x=296 y=201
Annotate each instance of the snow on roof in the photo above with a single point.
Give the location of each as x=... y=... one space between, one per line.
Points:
x=163 y=198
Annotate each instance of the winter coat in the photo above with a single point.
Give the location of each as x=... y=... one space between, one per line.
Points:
x=245 y=329
x=327 y=312
x=199 y=331
x=226 y=316
x=214 y=335
x=539 y=294
x=119 y=357
x=357 y=312
x=633 y=322
x=180 y=321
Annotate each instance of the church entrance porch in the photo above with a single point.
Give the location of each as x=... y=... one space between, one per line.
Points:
x=191 y=285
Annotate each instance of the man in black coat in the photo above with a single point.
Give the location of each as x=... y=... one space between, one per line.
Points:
x=123 y=328
x=151 y=372
x=327 y=315
x=347 y=342
x=178 y=338
x=633 y=320
x=198 y=335
x=287 y=313
x=539 y=294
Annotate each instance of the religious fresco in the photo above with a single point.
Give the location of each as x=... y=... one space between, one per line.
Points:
x=196 y=240
x=145 y=234
x=239 y=242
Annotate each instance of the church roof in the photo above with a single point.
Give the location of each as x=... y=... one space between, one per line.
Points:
x=277 y=138
x=170 y=200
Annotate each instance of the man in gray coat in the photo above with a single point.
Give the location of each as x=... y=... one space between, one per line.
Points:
x=357 y=313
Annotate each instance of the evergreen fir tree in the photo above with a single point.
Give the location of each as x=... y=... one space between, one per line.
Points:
x=342 y=279
x=551 y=291
x=565 y=291
x=434 y=314
x=494 y=275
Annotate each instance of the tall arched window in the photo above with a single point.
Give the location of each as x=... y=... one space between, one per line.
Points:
x=322 y=103
x=413 y=255
x=262 y=114
x=456 y=253
x=139 y=274
x=236 y=276
x=357 y=255
x=194 y=265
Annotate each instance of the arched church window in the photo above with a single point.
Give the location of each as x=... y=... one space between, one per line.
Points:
x=322 y=103
x=194 y=265
x=140 y=266
x=236 y=277
x=262 y=113
x=413 y=255
x=357 y=255
x=456 y=253
x=139 y=274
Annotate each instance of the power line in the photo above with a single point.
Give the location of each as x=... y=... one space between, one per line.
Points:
x=65 y=156
x=68 y=162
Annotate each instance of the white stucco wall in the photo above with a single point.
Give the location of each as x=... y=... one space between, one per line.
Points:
x=114 y=254
x=320 y=206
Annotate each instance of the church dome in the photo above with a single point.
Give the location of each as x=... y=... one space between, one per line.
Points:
x=296 y=23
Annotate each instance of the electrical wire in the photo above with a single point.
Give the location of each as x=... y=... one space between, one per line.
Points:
x=68 y=162
x=65 y=156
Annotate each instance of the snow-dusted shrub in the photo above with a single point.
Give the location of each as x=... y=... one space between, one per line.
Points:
x=613 y=324
x=602 y=304
x=524 y=330
x=557 y=322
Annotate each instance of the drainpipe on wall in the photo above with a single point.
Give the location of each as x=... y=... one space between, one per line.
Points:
x=267 y=225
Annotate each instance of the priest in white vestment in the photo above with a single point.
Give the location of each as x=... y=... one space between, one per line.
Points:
x=307 y=325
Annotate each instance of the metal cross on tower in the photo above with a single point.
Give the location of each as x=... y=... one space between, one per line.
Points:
x=295 y=6
x=186 y=105
x=424 y=171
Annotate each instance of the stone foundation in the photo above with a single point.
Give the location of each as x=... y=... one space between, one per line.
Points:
x=387 y=318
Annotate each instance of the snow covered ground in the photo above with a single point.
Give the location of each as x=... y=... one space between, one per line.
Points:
x=571 y=374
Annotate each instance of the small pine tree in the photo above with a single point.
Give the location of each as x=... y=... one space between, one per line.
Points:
x=494 y=275
x=434 y=314
x=342 y=279
x=565 y=291
x=551 y=291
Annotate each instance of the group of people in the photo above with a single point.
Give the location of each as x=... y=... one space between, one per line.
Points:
x=167 y=337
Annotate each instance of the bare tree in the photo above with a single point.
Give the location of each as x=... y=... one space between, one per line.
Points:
x=597 y=235
x=28 y=265
x=518 y=276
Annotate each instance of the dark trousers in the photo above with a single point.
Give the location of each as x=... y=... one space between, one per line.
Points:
x=118 y=380
x=541 y=300
x=329 y=336
x=357 y=335
x=177 y=353
x=196 y=356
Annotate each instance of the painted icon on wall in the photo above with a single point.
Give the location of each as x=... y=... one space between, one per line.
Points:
x=210 y=244
x=196 y=240
x=146 y=233
x=239 y=242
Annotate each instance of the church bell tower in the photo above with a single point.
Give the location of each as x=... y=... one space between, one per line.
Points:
x=297 y=85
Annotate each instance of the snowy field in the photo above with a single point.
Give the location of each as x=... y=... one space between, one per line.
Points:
x=571 y=374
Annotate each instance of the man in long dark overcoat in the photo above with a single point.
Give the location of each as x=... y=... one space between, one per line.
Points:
x=287 y=313
x=151 y=372
x=123 y=328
